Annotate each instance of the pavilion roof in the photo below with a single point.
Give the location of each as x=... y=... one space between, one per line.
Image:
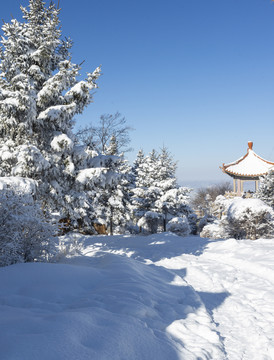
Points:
x=250 y=165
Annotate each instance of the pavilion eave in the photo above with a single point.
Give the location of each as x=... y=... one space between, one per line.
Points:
x=244 y=177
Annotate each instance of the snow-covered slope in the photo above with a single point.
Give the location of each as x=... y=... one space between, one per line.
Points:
x=156 y=297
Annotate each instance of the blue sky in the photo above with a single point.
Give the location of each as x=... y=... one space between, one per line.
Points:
x=194 y=75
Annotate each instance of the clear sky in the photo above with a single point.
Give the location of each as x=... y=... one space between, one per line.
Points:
x=194 y=75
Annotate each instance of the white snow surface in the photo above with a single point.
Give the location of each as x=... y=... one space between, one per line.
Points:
x=142 y=297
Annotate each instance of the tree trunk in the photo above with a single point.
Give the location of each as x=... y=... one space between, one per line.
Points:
x=111 y=221
x=164 y=221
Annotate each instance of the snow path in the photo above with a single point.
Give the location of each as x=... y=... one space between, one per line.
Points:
x=184 y=318
x=152 y=297
x=245 y=320
x=235 y=282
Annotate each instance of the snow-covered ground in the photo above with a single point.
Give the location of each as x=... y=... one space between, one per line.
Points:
x=143 y=298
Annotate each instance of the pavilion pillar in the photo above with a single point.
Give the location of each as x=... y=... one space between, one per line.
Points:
x=257 y=185
x=234 y=185
x=239 y=187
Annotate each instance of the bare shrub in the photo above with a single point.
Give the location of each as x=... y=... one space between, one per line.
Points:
x=205 y=195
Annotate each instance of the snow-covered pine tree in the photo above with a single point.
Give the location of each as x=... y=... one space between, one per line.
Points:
x=40 y=95
x=120 y=199
x=157 y=196
x=145 y=192
x=167 y=169
x=136 y=189
x=107 y=184
x=113 y=146
x=266 y=189
x=166 y=181
x=137 y=163
x=174 y=199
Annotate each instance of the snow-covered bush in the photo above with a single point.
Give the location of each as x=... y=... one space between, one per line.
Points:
x=25 y=235
x=204 y=221
x=220 y=206
x=214 y=230
x=192 y=220
x=149 y=222
x=250 y=219
x=245 y=219
x=69 y=245
x=179 y=226
x=211 y=225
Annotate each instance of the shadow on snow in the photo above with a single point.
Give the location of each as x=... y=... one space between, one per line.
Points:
x=154 y=295
x=153 y=247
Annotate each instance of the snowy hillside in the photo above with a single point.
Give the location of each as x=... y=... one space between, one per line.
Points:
x=134 y=297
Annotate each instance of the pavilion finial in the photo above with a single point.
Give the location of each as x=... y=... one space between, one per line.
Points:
x=250 y=145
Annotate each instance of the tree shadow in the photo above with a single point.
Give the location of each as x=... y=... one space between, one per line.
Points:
x=155 y=299
x=148 y=248
x=212 y=300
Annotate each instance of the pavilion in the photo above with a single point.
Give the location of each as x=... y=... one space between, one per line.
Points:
x=248 y=168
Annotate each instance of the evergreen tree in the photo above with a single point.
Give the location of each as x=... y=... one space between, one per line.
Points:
x=166 y=176
x=120 y=198
x=166 y=181
x=106 y=184
x=40 y=95
x=110 y=195
x=157 y=196
x=119 y=201
x=113 y=146
x=266 y=189
x=136 y=165
x=174 y=199
x=145 y=192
